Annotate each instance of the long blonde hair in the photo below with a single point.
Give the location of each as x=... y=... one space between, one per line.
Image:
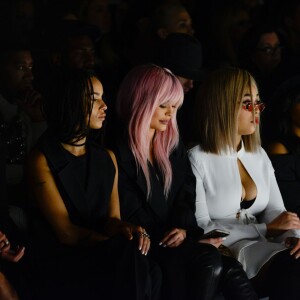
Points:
x=216 y=110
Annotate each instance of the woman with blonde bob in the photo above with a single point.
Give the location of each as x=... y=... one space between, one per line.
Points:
x=157 y=190
x=236 y=189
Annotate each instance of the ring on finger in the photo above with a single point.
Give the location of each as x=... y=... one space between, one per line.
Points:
x=145 y=234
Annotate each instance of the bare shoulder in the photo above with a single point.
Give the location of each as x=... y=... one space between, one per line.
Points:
x=113 y=157
x=277 y=148
x=37 y=166
x=36 y=159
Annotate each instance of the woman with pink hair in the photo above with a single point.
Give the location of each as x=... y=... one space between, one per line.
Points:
x=157 y=190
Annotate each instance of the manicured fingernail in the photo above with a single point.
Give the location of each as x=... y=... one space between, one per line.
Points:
x=164 y=245
x=146 y=253
x=140 y=248
x=160 y=244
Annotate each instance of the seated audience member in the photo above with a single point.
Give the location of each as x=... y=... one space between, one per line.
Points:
x=71 y=45
x=80 y=247
x=236 y=186
x=181 y=53
x=289 y=13
x=97 y=13
x=171 y=17
x=157 y=190
x=21 y=120
x=260 y=54
x=284 y=150
x=161 y=20
x=74 y=45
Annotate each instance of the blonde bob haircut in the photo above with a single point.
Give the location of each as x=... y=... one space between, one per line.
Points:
x=216 y=111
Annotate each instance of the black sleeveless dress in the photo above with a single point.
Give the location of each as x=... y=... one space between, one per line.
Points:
x=112 y=269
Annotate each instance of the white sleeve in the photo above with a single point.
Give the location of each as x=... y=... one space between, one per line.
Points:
x=202 y=213
x=275 y=204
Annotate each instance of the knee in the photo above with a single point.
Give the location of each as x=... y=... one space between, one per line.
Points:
x=230 y=264
x=233 y=270
x=210 y=252
x=210 y=258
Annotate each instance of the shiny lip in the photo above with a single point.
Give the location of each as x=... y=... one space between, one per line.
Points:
x=165 y=122
x=102 y=116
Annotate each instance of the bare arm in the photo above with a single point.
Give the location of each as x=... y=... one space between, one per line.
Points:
x=47 y=198
x=115 y=225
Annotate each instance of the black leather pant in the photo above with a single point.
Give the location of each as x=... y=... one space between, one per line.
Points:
x=190 y=271
x=234 y=283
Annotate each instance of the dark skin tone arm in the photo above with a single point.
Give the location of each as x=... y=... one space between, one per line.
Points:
x=48 y=199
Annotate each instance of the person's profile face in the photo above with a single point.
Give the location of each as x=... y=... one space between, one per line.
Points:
x=248 y=114
x=162 y=116
x=99 y=107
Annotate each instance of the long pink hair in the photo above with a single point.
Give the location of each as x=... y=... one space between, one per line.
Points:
x=143 y=90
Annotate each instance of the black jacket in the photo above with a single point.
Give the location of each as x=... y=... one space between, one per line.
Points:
x=177 y=211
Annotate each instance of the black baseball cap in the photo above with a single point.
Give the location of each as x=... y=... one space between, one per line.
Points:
x=182 y=54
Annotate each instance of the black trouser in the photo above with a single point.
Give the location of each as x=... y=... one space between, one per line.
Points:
x=234 y=283
x=198 y=271
x=190 y=271
x=280 y=277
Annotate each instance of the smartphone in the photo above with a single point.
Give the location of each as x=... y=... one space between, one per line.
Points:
x=216 y=233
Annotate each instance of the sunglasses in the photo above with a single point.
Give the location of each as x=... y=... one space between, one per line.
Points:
x=249 y=106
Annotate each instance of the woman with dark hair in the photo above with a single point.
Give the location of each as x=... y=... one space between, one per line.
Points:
x=236 y=186
x=284 y=150
x=81 y=249
x=157 y=190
